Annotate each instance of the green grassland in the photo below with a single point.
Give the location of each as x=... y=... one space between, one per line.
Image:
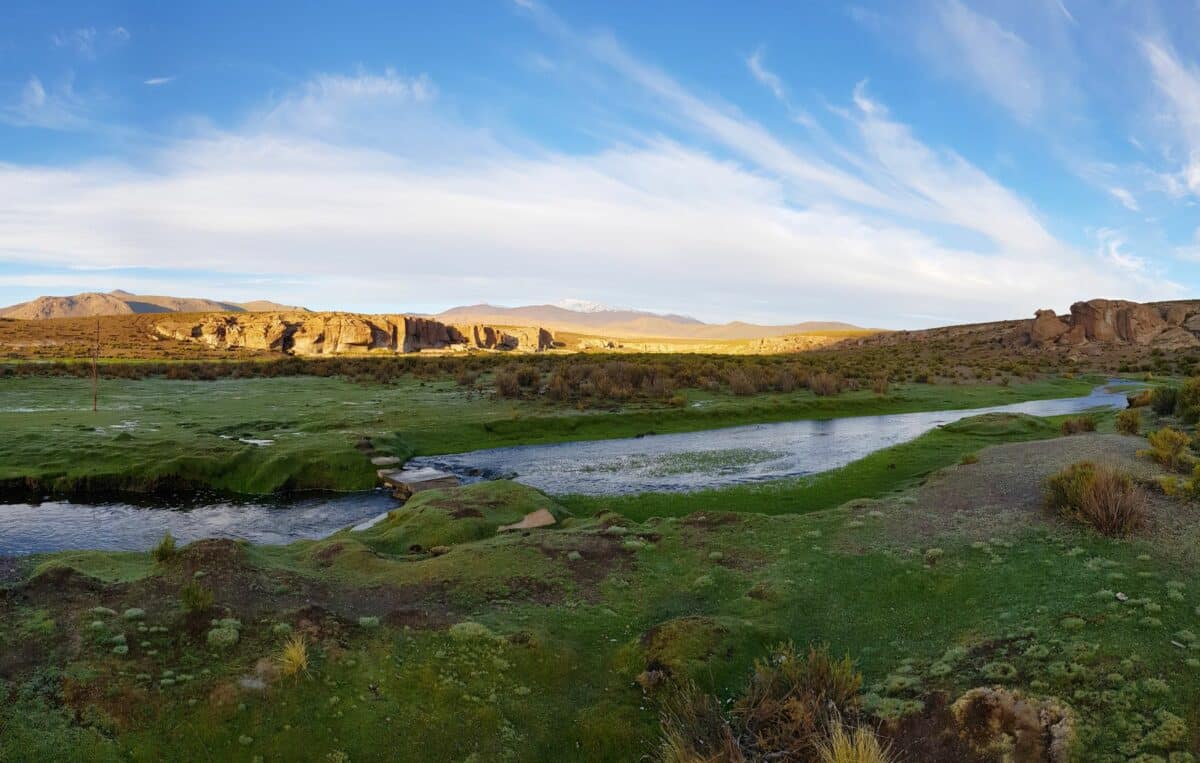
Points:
x=529 y=646
x=157 y=434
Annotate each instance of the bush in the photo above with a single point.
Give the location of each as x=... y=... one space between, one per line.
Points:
x=825 y=384
x=1078 y=424
x=791 y=699
x=1100 y=496
x=507 y=384
x=740 y=383
x=222 y=637
x=968 y=459
x=195 y=597
x=1129 y=421
x=165 y=550
x=1168 y=447
x=1164 y=400
x=1187 y=403
x=1141 y=398
x=880 y=385
x=293 y=657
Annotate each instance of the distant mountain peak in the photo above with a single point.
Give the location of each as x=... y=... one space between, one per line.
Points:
x=584 y=306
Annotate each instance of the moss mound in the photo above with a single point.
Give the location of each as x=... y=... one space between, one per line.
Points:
x=456 y=515
x=693 y=647
x=1002 y=425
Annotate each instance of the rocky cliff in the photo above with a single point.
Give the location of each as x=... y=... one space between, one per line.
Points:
x=1169 y=325
x=346 y=333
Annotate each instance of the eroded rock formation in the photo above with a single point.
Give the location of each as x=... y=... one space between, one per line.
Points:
x=1170 y=325
x=347 y=333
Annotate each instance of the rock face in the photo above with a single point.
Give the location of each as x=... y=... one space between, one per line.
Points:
x=1171 y=325
x=347 y=333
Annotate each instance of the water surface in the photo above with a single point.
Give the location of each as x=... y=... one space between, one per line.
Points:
x=61 y=525
x=719 y=457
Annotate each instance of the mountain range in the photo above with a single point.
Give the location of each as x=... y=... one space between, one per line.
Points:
x=123 y=303
x=578 y=318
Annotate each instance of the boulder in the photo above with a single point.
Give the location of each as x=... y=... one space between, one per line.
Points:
x=1046 y=327
x=531 y=521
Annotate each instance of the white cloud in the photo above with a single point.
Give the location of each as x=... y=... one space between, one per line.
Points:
x=1126 y=198
x=1178 y=88
x=56 y=109
x=969 y=45
x=656 y=222
x=158 y=81
x=82 y=41
x=765 y=76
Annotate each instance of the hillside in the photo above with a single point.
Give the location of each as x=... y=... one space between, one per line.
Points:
x=120 y=302
x=630 y=323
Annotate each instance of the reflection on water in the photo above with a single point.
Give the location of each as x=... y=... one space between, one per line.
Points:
x=718 y=457
x=59 y=525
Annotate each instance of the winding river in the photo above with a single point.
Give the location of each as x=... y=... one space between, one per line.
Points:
x=670 y=462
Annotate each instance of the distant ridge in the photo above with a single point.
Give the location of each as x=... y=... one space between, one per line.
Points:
x=629 y=323
x=120 y=302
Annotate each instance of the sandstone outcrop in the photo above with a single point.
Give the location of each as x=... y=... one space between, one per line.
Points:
x=1170 y=325
x=347 y=333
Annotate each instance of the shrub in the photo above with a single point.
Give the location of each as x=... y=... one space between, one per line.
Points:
x=293 y=657
x=1141 y=398
x=222 y=637
x=1129 y=421
x=1167 y=447
x=195 y=597
x=507 y=384
x=825 y=384
x=880 y=385
x=740 y=383
x=792 y=698
x=467 y=377
x=1187 y=403
x=1164 y=400
x=1078 y=424
x=165 y=550
x=969 y=458
x=1100 y=496
x=846 y=745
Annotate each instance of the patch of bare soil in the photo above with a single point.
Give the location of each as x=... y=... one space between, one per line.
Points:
x=1003 y=491
x=930 y=736
x=10 y=570
x=599 y=557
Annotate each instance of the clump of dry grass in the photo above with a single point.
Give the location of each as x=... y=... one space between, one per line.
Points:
x=852 y=745
x=695 y=729
x=293 y=657
x=1078 y=424
x=1100 y=496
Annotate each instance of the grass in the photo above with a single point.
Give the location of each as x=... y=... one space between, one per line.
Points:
x=551 y=675
x=294 y=433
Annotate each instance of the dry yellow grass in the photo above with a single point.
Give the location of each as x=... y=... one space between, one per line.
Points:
x=293 y=658
x=846 y=745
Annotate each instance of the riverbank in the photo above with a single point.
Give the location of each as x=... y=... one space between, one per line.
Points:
x=259 y=436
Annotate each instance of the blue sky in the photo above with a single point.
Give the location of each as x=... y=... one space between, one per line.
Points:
x=891 y=164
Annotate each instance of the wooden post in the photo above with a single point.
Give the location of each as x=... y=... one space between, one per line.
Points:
x=95 y=368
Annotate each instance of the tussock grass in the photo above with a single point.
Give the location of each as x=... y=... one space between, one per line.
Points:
x=845 y=744
x=293 y=657
x=1098 y=495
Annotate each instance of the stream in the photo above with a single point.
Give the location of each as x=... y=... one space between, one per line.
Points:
x=670 y=462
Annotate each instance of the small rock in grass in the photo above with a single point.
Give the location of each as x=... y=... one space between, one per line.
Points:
x=439 y=550
x=368 y=622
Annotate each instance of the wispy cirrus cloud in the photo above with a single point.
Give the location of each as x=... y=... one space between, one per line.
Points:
x=87 y=42
x=1178 y=87
x=54 y=108
x=158 y=81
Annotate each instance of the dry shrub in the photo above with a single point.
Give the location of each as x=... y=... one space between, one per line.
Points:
x=792 y=698
x=1168 y=447
x=1142 y=398
x=880 y=385
x=825 y=384
x=466 y=377
x=1100 y=496
x=1129 y=421
x=695 y=729
x=506 y=383
x=998 y=722
x=852 y=745
x=1078 y=424
x=740 y=383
